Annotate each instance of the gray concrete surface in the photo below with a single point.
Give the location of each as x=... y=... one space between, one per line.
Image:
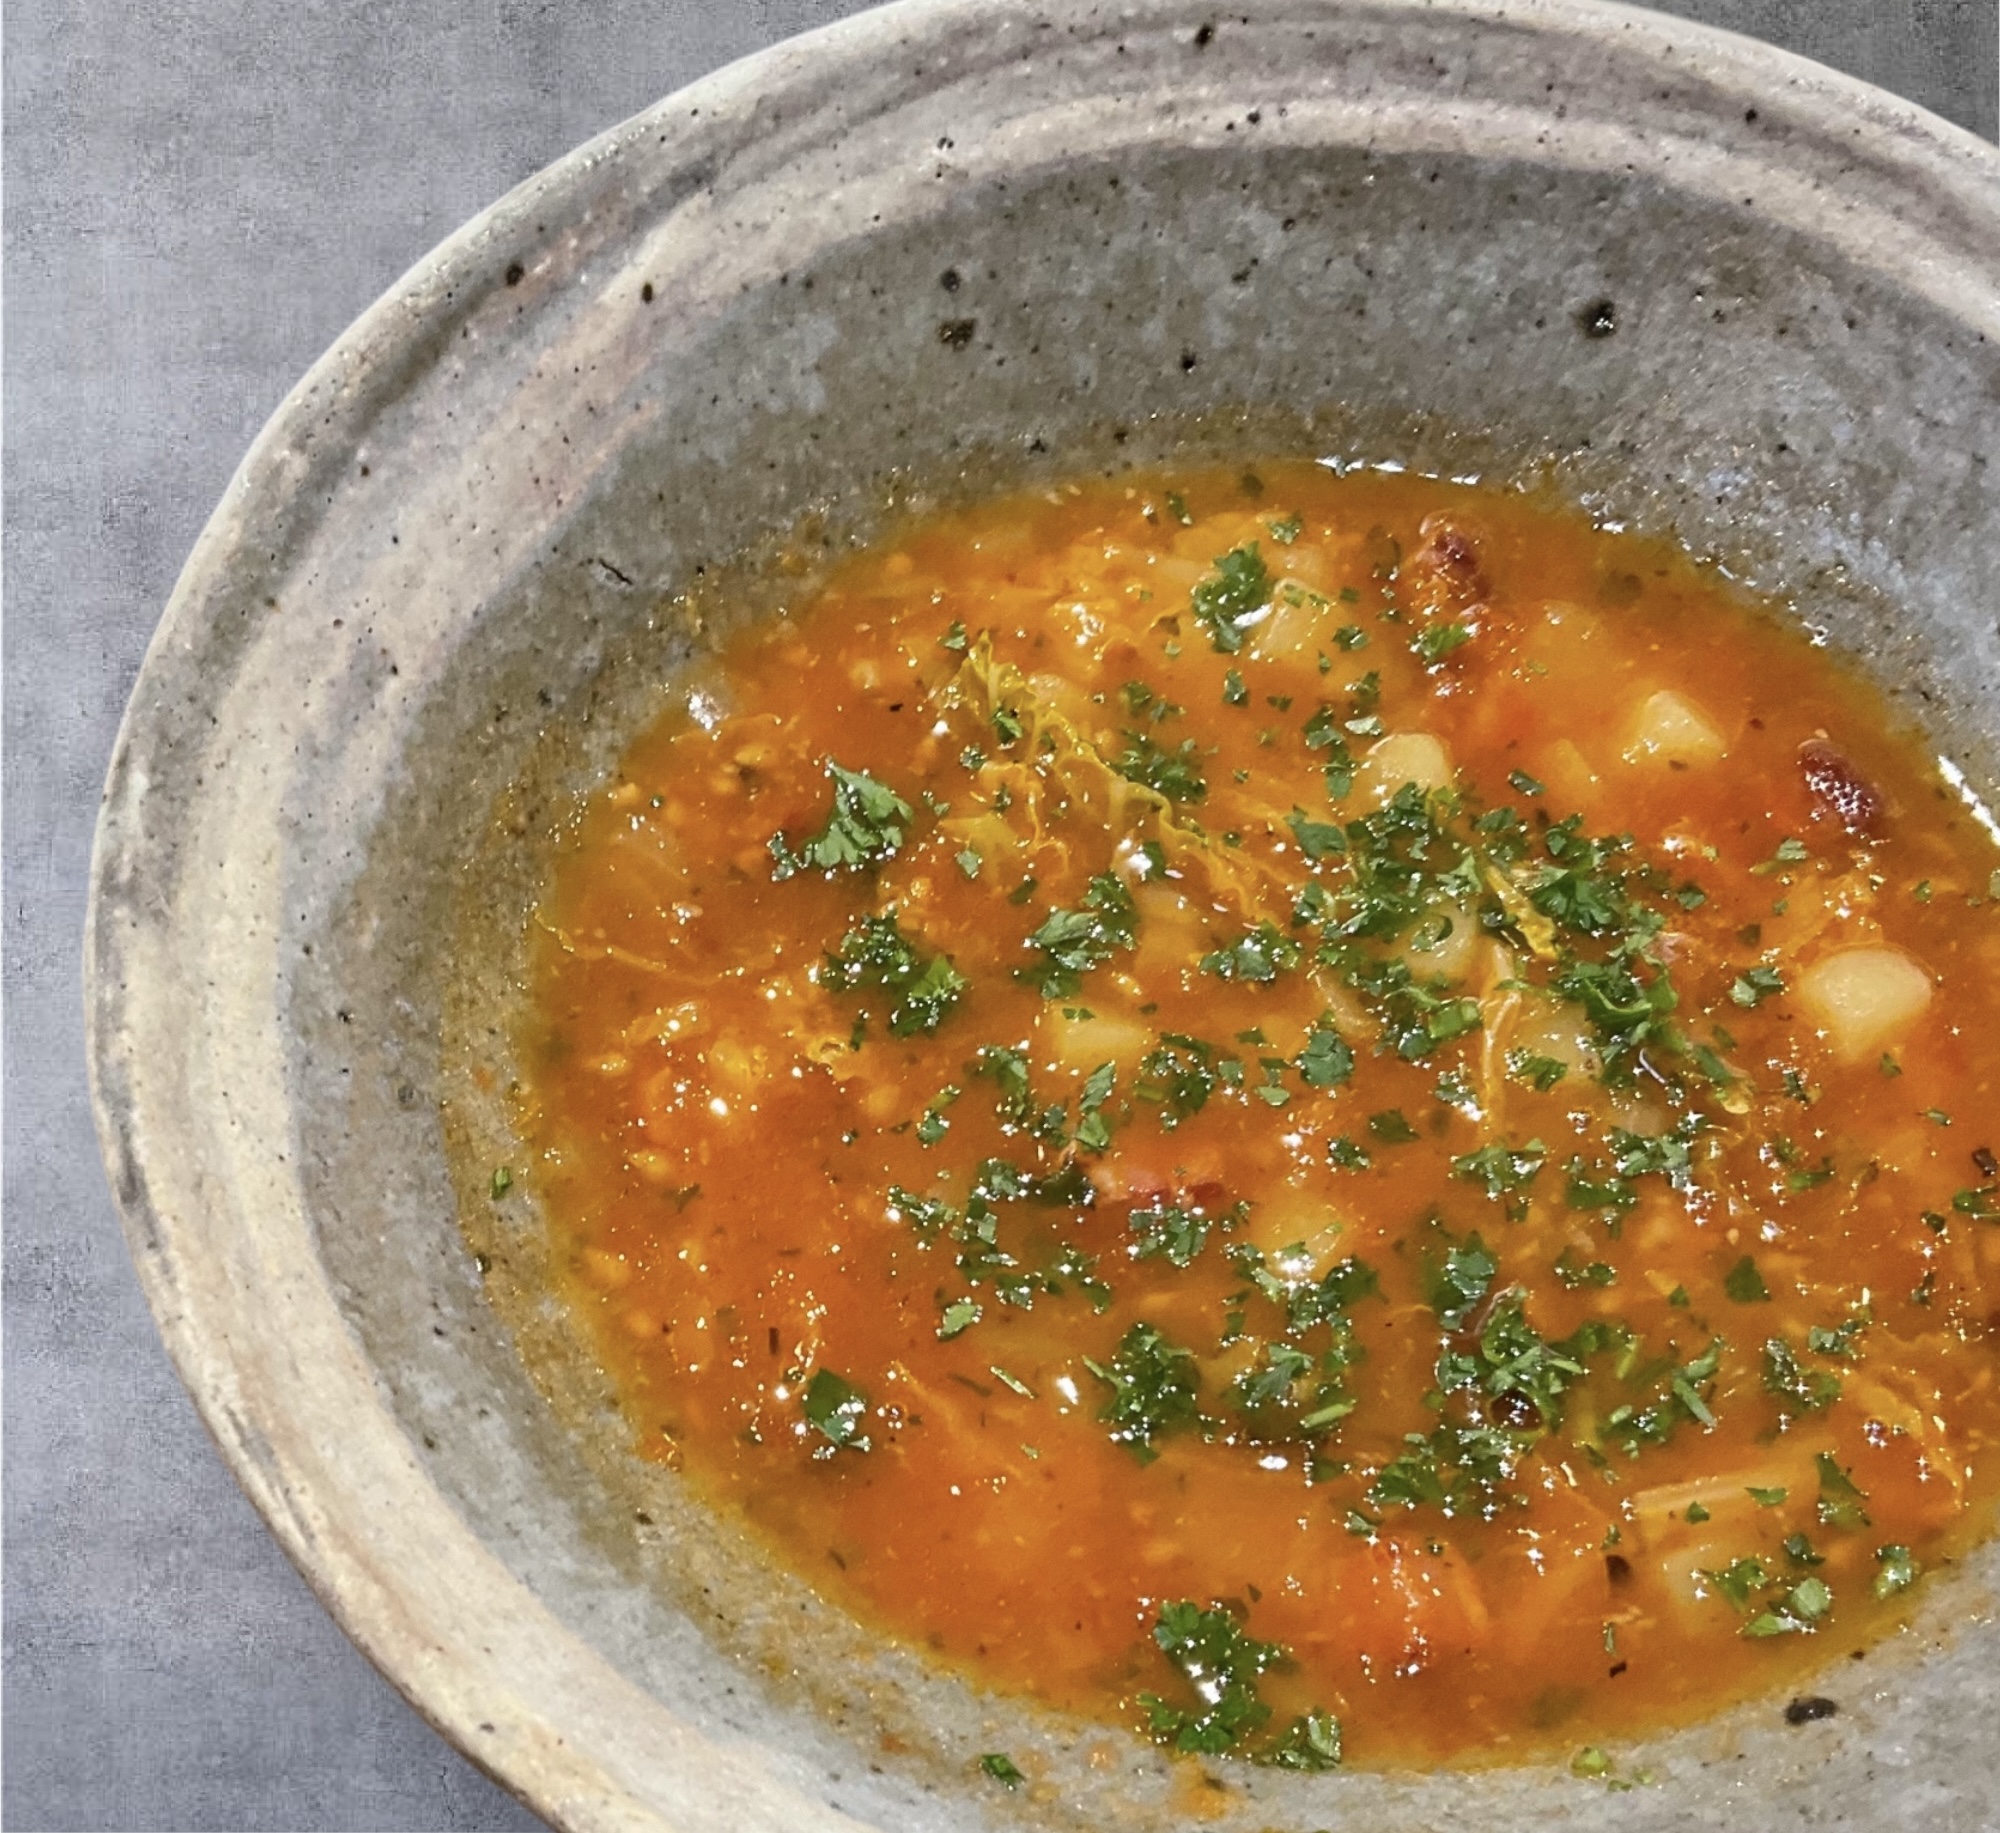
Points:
x=200 y=194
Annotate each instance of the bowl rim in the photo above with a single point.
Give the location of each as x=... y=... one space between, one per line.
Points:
x=564 y=1778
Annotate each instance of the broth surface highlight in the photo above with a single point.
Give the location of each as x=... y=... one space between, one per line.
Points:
x=1309 y=1113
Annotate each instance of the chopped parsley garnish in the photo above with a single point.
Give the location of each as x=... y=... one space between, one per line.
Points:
x=1457 y=1469
x=1462 y=1279
x=1310 y=1742
x=1180 y=1075
x=1222 y=1664
x=1317 y=839
x=1744 y=1285
x=1286 y=529
x=1234 y=691
x=1175 y=774
x=1511 y=1357
x=958 y=1317
x=1436 y=641
x=1259 y=956
x=1539 y=1072
x=1791 y=852
x=1153 y=1384
x=1810 y=1390
x=1501 y=1169
x=1840 y=1499
x=1075 y=941
x=876 y=954
x=1169 y=1231
x=1683 y=1395
x=1755 y=985
x=1898 y=1571
x=1093 y=1131
x=1232 y=595
x=867 y=825
x=1572 y=1276
x=1326 y=1061
x=1002 y=1769
x=836 y=1409
x=1392 y=1127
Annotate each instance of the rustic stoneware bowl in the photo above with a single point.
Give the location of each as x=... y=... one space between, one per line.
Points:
x=1697 y=285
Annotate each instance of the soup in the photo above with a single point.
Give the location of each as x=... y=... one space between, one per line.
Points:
x=1333 y=1117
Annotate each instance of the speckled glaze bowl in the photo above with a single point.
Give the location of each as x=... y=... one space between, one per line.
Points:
x=951 y=245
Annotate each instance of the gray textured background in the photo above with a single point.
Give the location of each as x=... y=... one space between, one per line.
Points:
x=200 y=195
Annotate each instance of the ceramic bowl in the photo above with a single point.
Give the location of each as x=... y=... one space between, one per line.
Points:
x=1701 y=287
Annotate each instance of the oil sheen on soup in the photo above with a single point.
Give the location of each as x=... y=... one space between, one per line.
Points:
x=1333 y=1117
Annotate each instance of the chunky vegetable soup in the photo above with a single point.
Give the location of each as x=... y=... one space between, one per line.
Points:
x=1327 y=1116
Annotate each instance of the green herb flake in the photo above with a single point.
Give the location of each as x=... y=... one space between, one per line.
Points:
x=1229 y=599
x=1765 y=1498
x=1791 y=851
x=959 y=1316
x=1539 y=1072
x=837 y=1410
x=1744 y=1285
x=1981 y=1204
x=1327 y=1060
x=954 y=638
x=1153 y=1384
x=1001 y=1768
x=1258 y=957
x=1840 y=1499
x=1286 y=529
x=1755 y=985
x=1696 y=1514
x=1524 y=784
x=1310 y=1743
x=1810 y=1390
x=875 y=954
x=1075 y=941
x=1392 y=1127
x=1573 y=1277
x=1317 y=840
x=1235 y=692
x=503 y=1181
x=1178 y=509
x=1899 y=1571
x=1500 y=1169
x=1436 y=641
x=867 y=825
x=1222 y=1664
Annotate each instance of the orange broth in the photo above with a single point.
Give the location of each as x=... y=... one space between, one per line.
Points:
x=1187 y=1164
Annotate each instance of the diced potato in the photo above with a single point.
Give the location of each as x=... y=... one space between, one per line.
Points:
x=1295 y=627
x=1080 y=1044
x=1864 y=999
x=1451 y=954
x=1403 y=757
x=1171 y=936
x=736 y=1068
x=1669 y=728
x=1572 y=782
x=1299 y=1220
x=1557 y=1029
